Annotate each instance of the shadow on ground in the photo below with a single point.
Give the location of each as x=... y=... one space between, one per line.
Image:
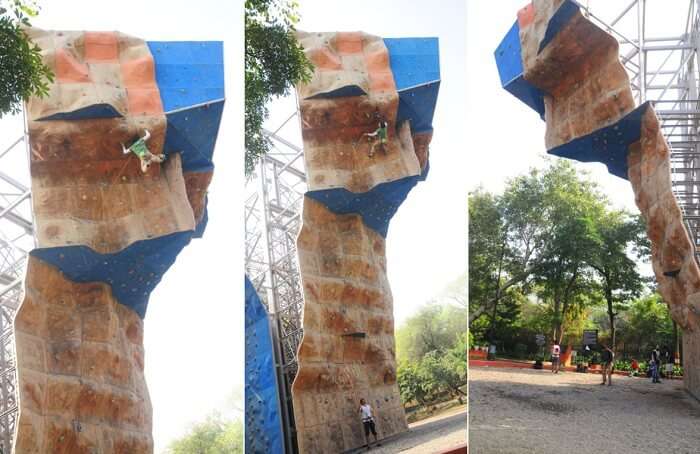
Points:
x=428 y=436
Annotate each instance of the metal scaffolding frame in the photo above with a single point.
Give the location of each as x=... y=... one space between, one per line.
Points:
x=16 y=239
x=664 y=70
x=274 y=196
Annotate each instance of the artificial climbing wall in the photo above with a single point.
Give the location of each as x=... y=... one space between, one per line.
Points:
x=568 y=70
x=106 y=232
x=263 y=405
x=348 y=348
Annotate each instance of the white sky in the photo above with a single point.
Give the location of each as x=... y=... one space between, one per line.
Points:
x=426 y=244
x=194 y=324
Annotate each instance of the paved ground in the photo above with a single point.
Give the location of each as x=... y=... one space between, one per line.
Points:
x=432 y=435
x=513 y=411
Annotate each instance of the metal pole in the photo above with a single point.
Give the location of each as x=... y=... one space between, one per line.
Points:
x=641 y=9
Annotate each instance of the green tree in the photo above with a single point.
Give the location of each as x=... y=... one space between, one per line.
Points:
x=274 y=62
x=22 y=71
x=648 y=323
x=551 y=237
x=537 y=234
x=571 y=205
x=431 y=349
x=411 y=384
x=213 y=436
x=435 y=327
x=621 y=241
x=487 y=251
x=439 y=374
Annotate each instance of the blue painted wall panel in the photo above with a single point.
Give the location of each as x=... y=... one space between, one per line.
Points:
x=607 y=145
x=193 y=133
x=418 y=106
x=508 y=56
x=414 y=61
x=188 y=73
x=415 y=64
x=132 y=273
x=376 y=206
x=510 y=70
x=263 y=418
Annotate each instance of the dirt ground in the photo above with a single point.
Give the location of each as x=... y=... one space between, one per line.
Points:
x=533 y=411
x=432 y=435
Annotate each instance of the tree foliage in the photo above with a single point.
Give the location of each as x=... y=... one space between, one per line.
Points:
x=621 y=239
x=549 y=245
x=213 y=436
x=435 y=327
x=647 y=323
x=274 y=62
x=432 y=354
x=22 y=72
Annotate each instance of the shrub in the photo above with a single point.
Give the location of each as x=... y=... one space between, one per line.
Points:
x=623 y=365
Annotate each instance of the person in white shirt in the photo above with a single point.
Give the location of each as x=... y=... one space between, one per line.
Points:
x=556 y=351
x=368 y=422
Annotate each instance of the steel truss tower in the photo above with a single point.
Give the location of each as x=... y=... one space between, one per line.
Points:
x=274 y=196
x=16 y=239
x=664 y=70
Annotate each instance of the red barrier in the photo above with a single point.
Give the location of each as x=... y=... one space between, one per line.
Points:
x=461 y=449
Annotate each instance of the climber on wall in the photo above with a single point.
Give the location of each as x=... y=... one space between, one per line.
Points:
x=378 y=137
x=140 y=149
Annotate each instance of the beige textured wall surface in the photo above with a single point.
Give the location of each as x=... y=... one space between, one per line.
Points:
x=587 y=89
x=80 y=352
x=348 y=351
x=336 y=154
x=80 y=366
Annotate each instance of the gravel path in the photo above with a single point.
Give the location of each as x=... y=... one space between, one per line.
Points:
x=514 y=411
x=431 y=435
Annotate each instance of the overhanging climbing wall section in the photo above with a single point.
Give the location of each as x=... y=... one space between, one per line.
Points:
x=106 y=231
x=348 y=350
x=263 y=414
x=568 y=70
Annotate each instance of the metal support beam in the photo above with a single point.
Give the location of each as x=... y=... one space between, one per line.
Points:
x=274 y=196
x=16 y=238
x=665 y=72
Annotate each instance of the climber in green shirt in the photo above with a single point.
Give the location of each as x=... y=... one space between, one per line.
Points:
x=379 y=137
x=140 y=149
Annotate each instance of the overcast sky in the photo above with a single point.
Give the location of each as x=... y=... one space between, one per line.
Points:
x=426 y=244
x=194 y=324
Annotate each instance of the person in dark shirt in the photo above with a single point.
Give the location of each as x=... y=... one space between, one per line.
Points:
x=654 y=364
x=607 y=358
x=668 y=362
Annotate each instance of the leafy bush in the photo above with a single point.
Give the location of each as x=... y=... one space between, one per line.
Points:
x=623 y=365
x=215 y=435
